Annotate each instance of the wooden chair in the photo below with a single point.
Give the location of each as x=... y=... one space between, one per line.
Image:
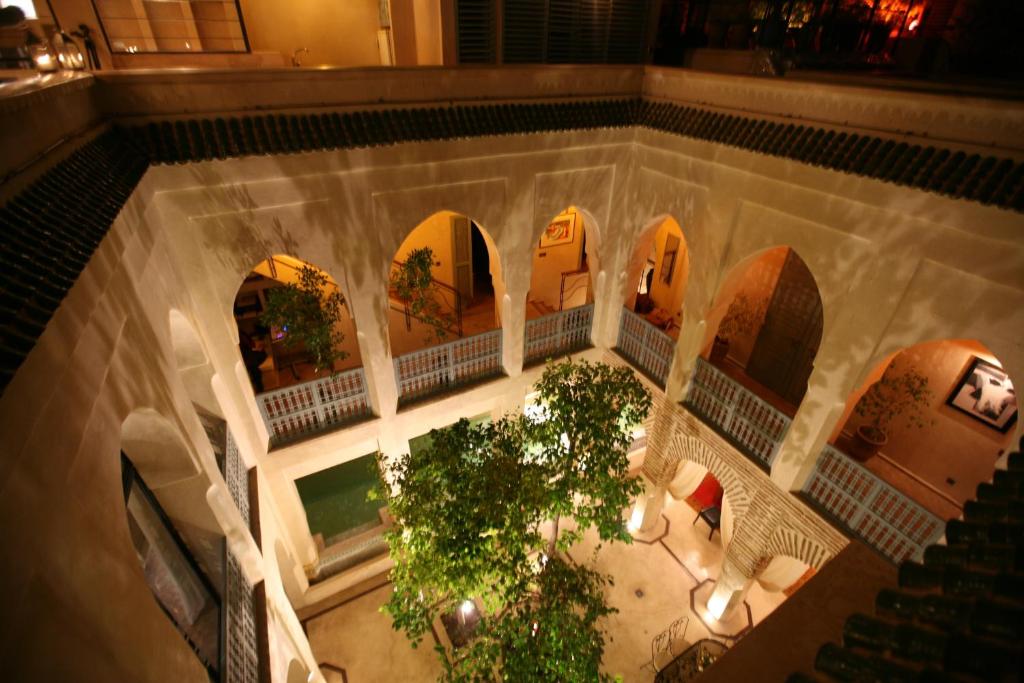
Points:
x=712 y=516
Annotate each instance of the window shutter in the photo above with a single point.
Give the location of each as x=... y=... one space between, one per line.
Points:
x=475 y=31
x=573 y=31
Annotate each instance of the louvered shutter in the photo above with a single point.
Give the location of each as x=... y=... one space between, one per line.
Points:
x=475 y=31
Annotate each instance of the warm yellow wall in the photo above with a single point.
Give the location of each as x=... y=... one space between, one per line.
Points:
x=670 y=296
x=954 y=445
x=549 y=264
x=436 y=233
x=336 y=33
x=429 y=47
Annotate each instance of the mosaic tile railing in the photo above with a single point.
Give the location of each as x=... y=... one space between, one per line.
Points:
x=870 y=508
x=647 y=347
x=435 y=370
x=315 y=406
x=753 y=425
x=240 y=640
x=558 y=333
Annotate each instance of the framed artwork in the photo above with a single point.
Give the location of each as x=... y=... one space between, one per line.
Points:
x=986 y=394
x=562 y=230
x=668 y=261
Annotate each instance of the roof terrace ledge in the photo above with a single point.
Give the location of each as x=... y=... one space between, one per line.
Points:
x=166 y=93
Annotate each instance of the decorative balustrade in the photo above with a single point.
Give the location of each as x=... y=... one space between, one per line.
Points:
x=558 y=333
x=870 y=508
x=431 y=371
x=315 y=406
x=241 y=645
x=236 y=475
x=646 y=347
x=754 y=425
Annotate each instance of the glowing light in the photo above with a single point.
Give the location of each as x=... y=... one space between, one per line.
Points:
x=914 y=24
x=717 y=603
x=635 y=519
x=467 y=607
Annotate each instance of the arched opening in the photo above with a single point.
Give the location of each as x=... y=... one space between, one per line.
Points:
x=561 y=275
x=784 y=574
x=196 y=375
x=931 y=421
x=444 y=306
x=656 y=285
x=284 y=350
x=560 y=302
x=299 y=347
x=174 y=533
x=296 y=672
x=765 y=328
x=461 y=297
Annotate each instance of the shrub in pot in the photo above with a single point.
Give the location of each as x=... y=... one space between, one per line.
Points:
x=309 y=312
x=901 y=391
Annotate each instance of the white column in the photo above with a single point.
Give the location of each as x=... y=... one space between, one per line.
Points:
x=730 y=590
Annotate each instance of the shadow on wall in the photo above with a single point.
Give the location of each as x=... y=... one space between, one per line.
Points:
x=952 y=436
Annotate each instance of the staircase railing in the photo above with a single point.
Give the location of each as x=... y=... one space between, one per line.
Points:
x=315 y=406
x=583 y=280
x=558 y=333
x=645 y=346
x=449 y=298
x=870 y=508
x=439 y=368
x=755 y=426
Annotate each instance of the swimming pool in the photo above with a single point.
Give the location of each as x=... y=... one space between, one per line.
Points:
x=335 y=499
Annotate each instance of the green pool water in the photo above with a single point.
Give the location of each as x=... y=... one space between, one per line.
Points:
x=335 y=499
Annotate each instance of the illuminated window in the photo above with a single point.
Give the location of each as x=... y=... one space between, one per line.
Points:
x=172 y=26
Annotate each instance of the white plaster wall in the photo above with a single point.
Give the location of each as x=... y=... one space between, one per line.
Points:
x=894 y=265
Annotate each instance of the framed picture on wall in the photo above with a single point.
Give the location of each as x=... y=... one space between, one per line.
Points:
x=562 y=230
x=985 y=393
x=668 y=260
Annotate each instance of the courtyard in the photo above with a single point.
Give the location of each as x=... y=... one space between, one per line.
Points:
x=654 y=579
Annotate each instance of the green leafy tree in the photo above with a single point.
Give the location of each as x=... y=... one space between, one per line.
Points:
x=471 y=513
x=309 y=312
x=413 y=285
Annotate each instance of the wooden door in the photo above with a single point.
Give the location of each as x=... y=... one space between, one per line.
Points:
x=783 y=355
x=462 y=249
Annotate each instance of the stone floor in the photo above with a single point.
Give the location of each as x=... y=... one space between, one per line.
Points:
x=653 y=585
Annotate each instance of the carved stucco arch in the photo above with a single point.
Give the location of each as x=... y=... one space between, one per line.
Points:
x=793 y=543
x=735 y=491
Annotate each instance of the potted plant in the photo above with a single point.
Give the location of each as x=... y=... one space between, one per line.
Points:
x=899 y=392
x=412 y=283
x=308 y=313
x=743 y=317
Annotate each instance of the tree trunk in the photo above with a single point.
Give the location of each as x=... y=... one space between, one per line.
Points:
x=554 y=538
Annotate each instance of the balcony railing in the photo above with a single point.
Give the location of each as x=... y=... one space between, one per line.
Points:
x=315 y=406
x=753 y=425
x=558 y=333
x=240 y=635
x=646 y=347
x=870 y=508
x=435 y=370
